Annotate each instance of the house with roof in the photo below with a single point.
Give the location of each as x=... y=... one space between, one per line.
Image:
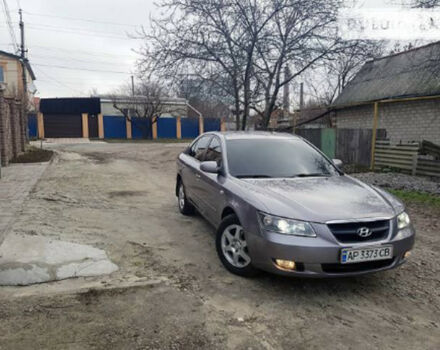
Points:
x=403 y=89
x=11 y=76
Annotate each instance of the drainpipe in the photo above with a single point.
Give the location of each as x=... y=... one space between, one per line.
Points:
x=194 y=109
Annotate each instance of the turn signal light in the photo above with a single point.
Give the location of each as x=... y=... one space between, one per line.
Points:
x=285 y=264
x=407 y=254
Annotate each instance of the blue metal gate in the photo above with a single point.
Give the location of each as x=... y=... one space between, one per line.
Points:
x=141 y=128
x=166 y=128
x=115 y=127
x=190 y=128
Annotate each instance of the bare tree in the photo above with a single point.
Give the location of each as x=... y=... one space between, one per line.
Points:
x=242 y=46
x=146 y=101
x=331 y=76
x=214 y=40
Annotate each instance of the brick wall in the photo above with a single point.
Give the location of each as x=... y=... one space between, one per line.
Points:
x=404 y=121
x=12 y=129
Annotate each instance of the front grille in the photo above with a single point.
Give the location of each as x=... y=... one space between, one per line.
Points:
x=348 y=232
x=357 y=267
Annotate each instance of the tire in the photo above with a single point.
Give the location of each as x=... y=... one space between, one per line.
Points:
x=185 y=207
x=230 y=243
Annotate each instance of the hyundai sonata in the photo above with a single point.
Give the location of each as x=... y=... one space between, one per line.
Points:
x=282 y=206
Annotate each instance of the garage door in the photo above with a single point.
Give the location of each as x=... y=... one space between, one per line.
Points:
x=56 y=125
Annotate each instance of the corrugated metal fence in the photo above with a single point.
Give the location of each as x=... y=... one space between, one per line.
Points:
x=352 y=146
x=411 y=158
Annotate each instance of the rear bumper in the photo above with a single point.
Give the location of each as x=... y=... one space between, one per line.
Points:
x=320 y=256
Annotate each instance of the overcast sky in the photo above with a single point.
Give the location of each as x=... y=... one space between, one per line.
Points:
x=79 y=45
x=70 y=57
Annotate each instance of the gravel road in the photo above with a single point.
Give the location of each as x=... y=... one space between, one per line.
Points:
x=171 y=291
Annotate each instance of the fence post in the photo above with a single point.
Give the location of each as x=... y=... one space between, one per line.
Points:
x=414 y=164
x=201 y=125
x=222 y=125
x=128 y=128
x=374 y=136
x=154 y=127
x=85 y=125
x=100 y=126
x=40 y=125
x=179 y=128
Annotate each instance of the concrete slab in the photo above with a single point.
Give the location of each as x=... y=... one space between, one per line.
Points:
x=15 y=184
x=26 y=260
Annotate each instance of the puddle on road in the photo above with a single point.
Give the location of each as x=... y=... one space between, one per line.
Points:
x=26 y=260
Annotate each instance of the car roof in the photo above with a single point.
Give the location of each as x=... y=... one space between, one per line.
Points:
x=244 y=135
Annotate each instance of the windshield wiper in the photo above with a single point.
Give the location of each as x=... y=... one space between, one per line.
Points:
x=253 y=177
x=311 y=175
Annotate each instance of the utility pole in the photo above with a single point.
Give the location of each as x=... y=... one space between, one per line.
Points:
x=23 y=60
x=301 y=96
x=23 y=54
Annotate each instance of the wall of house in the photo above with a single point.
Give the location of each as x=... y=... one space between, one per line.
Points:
x=11 y=71
x=403 y=121
x=12 y=129
x=168 y=110
x=12 y=74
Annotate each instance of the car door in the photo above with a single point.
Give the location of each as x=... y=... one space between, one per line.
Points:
x=211 y=193
x=191 y=173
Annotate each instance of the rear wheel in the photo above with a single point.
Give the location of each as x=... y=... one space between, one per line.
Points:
x=185 y=207
x=232 y=247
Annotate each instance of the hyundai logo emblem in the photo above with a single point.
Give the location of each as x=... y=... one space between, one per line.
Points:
x=364 y=232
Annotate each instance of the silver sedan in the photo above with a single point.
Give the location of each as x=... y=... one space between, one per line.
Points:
x=282 y=206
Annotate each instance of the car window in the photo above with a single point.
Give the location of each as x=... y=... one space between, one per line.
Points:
x=198 y=149
x=214 y=152
x=276 y=158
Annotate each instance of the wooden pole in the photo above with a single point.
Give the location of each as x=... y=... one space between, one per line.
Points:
x=373 y=138
x=201 y=126
x=40 y=123
x=179 y=127
x=85 y=125
x=100 y=126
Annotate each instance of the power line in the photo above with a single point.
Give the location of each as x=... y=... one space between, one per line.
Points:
x=84 y=52
x=76 y=68
x=79 y=33
x=81 y=19
x=114 y=63
x=82 y=29
x=58 y=82
x=9 y=24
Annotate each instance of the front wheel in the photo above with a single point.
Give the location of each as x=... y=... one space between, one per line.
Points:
x=185 y=207
x=232 y=247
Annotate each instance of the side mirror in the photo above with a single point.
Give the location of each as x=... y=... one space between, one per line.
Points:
x=209 y=167
x=338 y=163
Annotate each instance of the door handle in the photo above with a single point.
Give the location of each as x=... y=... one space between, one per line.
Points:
x=198 y=176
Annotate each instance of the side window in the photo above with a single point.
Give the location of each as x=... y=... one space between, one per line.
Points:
x=214 y=152
x=198 y=149
x=2 y=77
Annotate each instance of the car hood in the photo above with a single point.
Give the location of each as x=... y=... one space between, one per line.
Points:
x=320 y=199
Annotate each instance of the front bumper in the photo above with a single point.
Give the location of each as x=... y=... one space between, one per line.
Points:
x=320 y=256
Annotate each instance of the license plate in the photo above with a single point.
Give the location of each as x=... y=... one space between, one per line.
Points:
x=354 y=255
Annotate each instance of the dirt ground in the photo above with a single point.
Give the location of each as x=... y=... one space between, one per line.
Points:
x=171 y=291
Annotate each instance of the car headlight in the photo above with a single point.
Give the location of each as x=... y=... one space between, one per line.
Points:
x=286 y=226
x=403 y=220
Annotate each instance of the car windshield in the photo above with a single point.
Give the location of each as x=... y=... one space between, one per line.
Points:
x=275 y=158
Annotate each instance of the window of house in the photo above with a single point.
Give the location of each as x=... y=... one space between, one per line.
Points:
x=198 y=149
x=2 y=76
x=214 y=152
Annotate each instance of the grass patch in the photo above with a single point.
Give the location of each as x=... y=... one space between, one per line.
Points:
x=147 y=141
x=417 y=197
x=33 y=155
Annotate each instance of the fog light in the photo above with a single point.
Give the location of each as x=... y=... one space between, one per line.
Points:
x=407 y=254
x=285 y=264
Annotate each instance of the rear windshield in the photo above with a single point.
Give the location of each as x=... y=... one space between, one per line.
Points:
x=275 y=158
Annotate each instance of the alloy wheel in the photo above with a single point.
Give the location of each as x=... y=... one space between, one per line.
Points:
x=234 y=246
